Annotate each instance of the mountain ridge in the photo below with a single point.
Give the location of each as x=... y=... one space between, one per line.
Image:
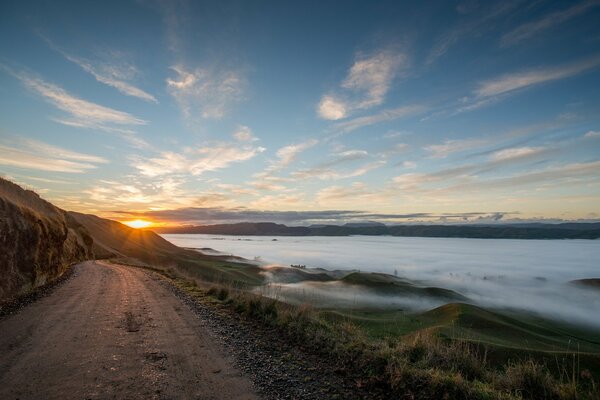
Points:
x=571 y=230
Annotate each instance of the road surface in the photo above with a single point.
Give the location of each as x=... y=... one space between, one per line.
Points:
x=113 y=331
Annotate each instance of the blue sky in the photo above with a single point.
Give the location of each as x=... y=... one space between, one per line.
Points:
x=305 y=112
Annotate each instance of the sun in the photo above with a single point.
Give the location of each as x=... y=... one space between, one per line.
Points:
x=138 y=223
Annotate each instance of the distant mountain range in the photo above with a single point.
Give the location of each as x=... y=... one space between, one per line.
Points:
x=571 y=230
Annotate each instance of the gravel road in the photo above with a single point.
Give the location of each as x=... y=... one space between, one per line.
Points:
x=113 y=331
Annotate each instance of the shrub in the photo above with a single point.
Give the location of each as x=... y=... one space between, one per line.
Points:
x=530 y=380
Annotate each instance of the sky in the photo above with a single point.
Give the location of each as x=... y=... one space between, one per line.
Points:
x=306 y=112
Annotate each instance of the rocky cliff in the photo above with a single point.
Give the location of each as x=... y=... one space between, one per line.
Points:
x=38 y=241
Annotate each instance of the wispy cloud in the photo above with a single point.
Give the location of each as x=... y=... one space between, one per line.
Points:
x=111 y=70
x=520 y=80
x=356 y=192
x=553 y=176
x=592 y=134
x=114 y=75
x=82 y=113
x=285 y=156
x=196 y=161
x=479 y=23
x=516 y=152
x=32 y=154
x=470 y=177
x=288 y=154
x=328 y=173
x=392 y=150
x=366 y=85
x=134 y=192
x=383 y=116
x=210 y=92
x=443 y=150
x=548 y=21
x=244 y=134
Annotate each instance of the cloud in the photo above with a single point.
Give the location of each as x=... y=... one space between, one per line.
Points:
x=132 y=192
x=244 y=134
x=555 y=176
x=397 y=148
x=592 y=134
x=383 y=116
x=327 y=173
x=511 y=82
x=373 y=76
x=516 y=152
x=463 y=179
x=83 y=113
x=32 y=154
x=210 y=93
x=332 y=109
x=288 y=154
x=214 y=215
x=452 y=146
x=357 y=189
x=548 y=21
x=366 y=85
x=113 y=75
x=327 y=170
x=408 y=164
x=476 y=26
x=196 y=161
x=115 y=72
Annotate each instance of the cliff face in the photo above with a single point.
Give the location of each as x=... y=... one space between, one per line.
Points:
x=38 y=241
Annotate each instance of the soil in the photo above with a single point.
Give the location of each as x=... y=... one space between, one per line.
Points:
x=113 y=331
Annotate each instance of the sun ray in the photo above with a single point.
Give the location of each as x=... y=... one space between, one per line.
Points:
x=138 y=223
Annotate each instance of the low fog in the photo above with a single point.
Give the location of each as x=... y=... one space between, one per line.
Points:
x=530 y=275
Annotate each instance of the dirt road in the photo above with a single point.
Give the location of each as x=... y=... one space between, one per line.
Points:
x=113 y=331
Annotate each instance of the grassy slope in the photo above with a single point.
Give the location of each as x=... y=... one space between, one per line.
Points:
x=507 y=336
x=391 y=285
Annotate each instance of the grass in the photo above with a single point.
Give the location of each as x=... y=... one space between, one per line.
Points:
x=422 y=365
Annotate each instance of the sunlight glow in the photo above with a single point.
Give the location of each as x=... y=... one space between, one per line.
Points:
x=138 y=223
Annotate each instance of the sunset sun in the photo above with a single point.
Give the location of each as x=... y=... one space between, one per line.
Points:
x=138 y=223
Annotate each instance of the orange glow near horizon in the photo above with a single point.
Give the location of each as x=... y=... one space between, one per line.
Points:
x=138 y=223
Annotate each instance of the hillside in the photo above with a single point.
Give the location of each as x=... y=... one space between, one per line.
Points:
x=115 y=240
x=38 y=241
x=500 y=231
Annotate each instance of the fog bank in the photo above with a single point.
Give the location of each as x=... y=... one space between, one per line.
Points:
x=529 y=275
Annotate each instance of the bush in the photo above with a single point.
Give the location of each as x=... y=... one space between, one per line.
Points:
x=530 y=380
